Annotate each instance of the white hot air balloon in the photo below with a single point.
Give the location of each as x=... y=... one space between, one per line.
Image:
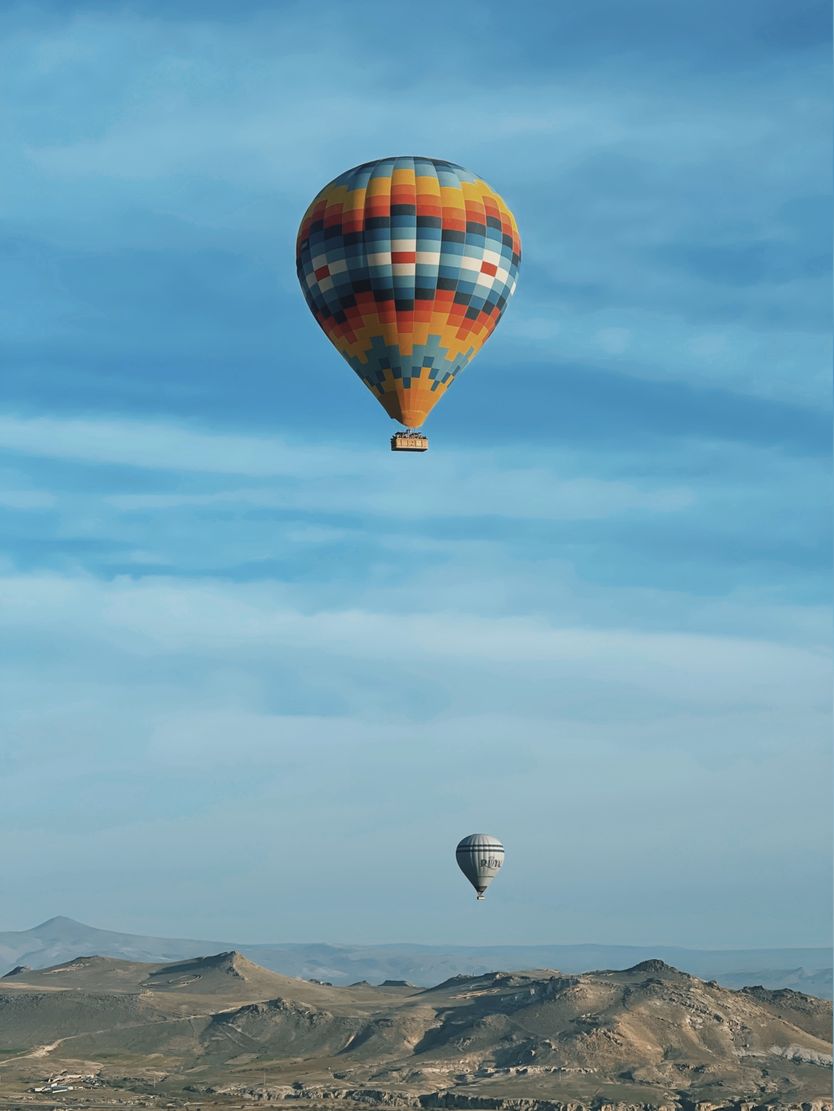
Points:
x=479 y=857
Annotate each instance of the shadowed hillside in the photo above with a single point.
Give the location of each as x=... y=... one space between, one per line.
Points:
x=221 y=1027
x=60 y=939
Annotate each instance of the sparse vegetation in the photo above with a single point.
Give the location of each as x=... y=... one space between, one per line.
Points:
x=222 y=1031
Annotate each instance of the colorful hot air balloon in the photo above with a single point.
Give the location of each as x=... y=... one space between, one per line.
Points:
x=479 y=857
x=407 y=264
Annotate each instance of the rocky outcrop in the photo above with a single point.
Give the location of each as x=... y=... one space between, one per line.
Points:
x=461 y=1101
x=649 y=1036
x=17 y=970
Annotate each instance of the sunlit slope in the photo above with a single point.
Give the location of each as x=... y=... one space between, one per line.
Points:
x=223 y=1021
x=61 y=939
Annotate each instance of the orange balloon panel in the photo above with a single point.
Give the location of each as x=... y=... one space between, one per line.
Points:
x=408 y=264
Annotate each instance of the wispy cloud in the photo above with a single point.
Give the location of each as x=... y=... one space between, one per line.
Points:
x=329 y=478
x=215 y=714
x=230 y=613
x=569 y=529
x=630 y=229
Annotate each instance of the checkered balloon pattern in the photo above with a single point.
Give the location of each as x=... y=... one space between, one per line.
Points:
x=407 y=264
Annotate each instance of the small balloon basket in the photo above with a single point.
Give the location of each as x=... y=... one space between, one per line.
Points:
x=409 y=441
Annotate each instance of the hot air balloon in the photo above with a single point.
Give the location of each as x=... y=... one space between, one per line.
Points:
x=479 y=857
x=407 y=264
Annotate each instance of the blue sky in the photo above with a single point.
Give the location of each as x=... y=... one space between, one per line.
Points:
x=260 y=675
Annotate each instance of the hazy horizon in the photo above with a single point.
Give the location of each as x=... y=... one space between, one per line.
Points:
x=261 y=675
x=441 y=943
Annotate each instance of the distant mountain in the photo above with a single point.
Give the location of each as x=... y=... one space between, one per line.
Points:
x=217 y=1029
x=60 y=939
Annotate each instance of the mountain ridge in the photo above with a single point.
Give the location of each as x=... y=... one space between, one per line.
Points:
x=219 y=1026
x=61 y=938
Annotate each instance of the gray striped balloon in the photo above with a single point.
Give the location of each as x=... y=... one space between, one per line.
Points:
x=479 y=857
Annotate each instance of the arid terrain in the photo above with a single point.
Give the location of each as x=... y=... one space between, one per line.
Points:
x=60 y=939
x=222 y=1031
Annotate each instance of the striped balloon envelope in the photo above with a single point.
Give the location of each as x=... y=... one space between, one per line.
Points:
x=480 y=857
x=407 y=264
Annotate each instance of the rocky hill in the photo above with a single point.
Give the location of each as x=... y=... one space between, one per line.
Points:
x=220 y=1029
x=60 y=939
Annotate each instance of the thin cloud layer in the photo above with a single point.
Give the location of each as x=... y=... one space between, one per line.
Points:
x=230 y=614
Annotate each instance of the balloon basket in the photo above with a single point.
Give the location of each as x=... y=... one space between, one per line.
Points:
x=409 y=441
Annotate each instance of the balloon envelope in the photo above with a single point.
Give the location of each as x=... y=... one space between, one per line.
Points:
x=407 y=264
x=480 y=857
